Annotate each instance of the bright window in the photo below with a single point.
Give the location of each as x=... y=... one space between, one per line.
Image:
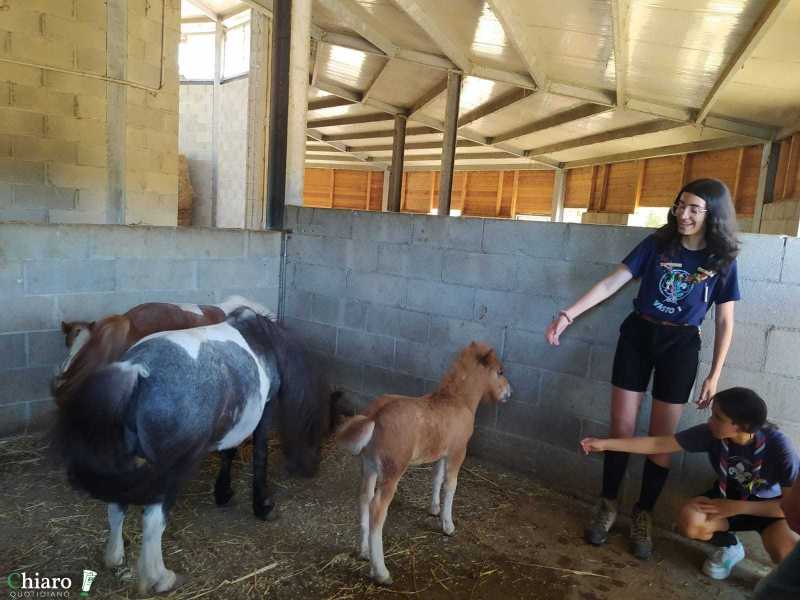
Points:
x=196 y=56
x=236 y=51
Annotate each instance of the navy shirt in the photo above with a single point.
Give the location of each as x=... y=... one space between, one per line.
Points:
x=778 y=469
x=676 y=286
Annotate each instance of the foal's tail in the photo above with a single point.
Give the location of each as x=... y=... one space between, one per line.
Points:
x=355 y=434
x=108 y=342
x=91 y=439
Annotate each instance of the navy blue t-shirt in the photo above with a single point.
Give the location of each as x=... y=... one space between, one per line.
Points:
x=675 y=285
x=779 y=467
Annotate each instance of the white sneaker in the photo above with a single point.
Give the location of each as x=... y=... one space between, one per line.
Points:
x=721 y=563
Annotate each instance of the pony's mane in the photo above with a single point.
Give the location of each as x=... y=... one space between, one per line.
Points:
x=467 y=359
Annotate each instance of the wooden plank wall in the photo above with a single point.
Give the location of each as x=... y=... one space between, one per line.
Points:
x=787 y=179
x=623 y=187
x=475 y=193
x=616 y=188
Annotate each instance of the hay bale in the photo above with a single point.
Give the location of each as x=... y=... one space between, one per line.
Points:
x=185 y=192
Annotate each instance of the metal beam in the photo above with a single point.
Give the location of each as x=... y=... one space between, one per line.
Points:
x=684 y=115
x=348 y=120
x=205 y=9
x=329 y=102
x=428 y=97
x=580 y=112
x=278 y=113
x=514 y=27
x=472 y=156
x=422 y=13
x=372 y=85
x=396 y=173
x=449 y=142
x=620 y=13
x=377 y=134
x=359 y=154
x=606 y=136
x=691 y=147
x=356 y=18
x=767 y=19
x=418 y=146
x=266 y=6
x=358 y=97
x=495 y=105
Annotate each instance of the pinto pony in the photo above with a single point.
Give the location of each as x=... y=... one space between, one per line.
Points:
x=134 y=430
x=395 y=432
x=98 y=343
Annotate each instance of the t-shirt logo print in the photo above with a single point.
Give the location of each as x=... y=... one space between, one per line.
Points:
x=675 y=285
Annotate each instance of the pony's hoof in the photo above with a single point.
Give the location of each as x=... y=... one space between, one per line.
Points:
x=383 y=579
x=434 y=510
x=114 y=559
x=448 y=529
x=265 y=512
x=364 y=554
x=166 y=584
x=222 y=497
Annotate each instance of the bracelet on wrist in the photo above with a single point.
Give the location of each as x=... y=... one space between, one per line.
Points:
x=563 y=313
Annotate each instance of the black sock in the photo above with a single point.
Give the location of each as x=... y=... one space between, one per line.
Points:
x=614 y=465
x=653 y=479
x=724 y=539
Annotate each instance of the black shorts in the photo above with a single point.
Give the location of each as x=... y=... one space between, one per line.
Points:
x=745 y=522
x=672 y=351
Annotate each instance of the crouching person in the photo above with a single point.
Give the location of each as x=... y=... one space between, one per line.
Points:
x=784 y=581
x=754 y=462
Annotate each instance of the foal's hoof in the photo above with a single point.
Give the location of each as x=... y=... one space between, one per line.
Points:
x=180 y=580
x=434 y=510
x=448 y=529
x=266 y=511
x=223 y=496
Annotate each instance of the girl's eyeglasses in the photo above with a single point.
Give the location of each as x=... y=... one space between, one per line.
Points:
x=679 y=207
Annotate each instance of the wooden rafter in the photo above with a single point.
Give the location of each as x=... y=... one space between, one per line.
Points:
x=768 y=17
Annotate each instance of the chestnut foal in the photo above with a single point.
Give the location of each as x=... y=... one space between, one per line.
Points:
x=395 y=432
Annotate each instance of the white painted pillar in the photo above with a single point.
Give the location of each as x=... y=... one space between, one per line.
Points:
x=298 y=100
x=559 y=191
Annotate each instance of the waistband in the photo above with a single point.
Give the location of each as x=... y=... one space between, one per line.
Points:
x=667 y=323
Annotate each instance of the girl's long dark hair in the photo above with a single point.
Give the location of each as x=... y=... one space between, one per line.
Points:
x=721 y=240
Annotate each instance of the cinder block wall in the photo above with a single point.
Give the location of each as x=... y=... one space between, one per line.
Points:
x=387 y=299
x=195 y=141
x=60 y=133
x=84 y=272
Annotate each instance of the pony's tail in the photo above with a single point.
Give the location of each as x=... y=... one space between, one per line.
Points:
x=355 y=434
x=108 y=342
x=90 y=438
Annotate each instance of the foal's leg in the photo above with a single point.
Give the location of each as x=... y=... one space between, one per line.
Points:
x=454 y=462
x=222 y=488
x=438 y=477
x=368 y=478
x=263 y=505
x=153 y=575
x=115 y=547
x=377 y=517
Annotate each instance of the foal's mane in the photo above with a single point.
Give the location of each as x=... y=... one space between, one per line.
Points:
x=472 y=356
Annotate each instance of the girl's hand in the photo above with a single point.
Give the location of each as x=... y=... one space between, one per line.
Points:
x=555 y=329
x=717 y=509
x=592 y=445
x=707 y=392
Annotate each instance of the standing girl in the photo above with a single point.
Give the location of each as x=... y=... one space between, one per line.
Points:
x=685 y=267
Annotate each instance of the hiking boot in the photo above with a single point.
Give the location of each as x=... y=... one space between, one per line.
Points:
x=605 y=513
x=641 y=533
x=720 y=564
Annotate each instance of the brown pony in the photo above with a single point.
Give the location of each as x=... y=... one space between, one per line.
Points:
x=98 y=343
x=395 y=432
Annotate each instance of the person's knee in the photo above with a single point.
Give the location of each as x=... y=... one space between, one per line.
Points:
x=692 y=524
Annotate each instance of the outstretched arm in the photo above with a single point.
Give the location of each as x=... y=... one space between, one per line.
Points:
x=663 y=444
x=604 y=288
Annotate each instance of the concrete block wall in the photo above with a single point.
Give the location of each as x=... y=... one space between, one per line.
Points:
x=84 y=272
x=195 y=141
x=387 y=299
x=232 y=153
x=54 y=126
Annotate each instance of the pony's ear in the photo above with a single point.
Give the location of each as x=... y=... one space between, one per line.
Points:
x=486 y=359
x=65 y=327
x=91 y=325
